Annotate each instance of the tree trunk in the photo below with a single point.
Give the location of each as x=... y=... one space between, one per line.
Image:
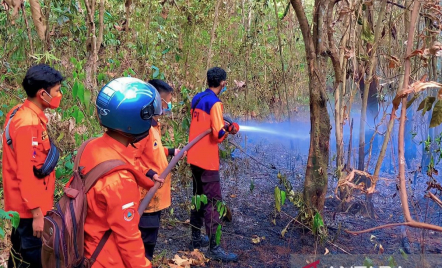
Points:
x=316 y=179
x=282 y=59
x=315 y=184
x=28 y=29
x=91 y=63
x=367 y=83
x=37 y=17
x=212 y=35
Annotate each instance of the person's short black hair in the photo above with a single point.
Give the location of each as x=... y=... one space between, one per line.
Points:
x=215 y=75
x=161 y=86
x=40 y=76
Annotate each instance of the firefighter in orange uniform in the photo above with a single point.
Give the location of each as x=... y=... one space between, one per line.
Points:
x=29 y=160
x=125 y=106
x=203 y=157
x=151 y=158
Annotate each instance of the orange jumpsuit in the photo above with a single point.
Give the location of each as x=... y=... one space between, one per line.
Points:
x=208 y=113
x=23 y=191
x=151 y=155
x=112 y=204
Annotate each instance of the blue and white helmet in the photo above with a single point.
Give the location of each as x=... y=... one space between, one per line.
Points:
x=127 y=104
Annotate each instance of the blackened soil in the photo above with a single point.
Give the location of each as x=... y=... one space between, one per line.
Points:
x=248 y=188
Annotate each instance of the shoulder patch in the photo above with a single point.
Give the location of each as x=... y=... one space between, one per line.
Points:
x=129 y=214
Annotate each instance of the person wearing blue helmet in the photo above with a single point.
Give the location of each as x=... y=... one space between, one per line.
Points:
x=125 y=107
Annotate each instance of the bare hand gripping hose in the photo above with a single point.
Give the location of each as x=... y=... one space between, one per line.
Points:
x=173 y=162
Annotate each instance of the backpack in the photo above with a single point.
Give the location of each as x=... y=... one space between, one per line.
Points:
x=63 y=232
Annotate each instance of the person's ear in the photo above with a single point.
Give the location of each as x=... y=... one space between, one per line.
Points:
x=41 y=94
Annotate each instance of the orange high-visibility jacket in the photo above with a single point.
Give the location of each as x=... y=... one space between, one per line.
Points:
x=207 y=113
x=23 y=191
x=112 y=204
x=150 y=155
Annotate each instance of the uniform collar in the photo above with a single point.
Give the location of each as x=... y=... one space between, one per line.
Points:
x=210 y=91
x=41 y=115
x=125 y=152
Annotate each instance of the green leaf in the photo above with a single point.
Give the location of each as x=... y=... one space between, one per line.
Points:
x=15 y=218
x=221 y=212
x=156 y=73
x=77 y=115
x=392 y=262
x=2 y=233
x=317 y=222
x=404 y=255
x=278 y=199
x=198 y=202
x=436 y=118
x=204 y=199
x=4 y=215
x=69 y=165
x=165 y=51
x=58 y=173
x=426 y=104
x=218 y=234
x=283 y=197
x=1 y=113
x=368 y=262
x=410 y=102
x=367 y=34
x=60 y=137
x=87 y=99
x=194 y=200
x=80 y=93
x=252 y=185
x=75 y=90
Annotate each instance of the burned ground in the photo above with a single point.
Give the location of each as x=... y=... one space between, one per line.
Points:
x=254 y=212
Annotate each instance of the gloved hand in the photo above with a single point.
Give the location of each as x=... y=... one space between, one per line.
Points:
x=233 y=128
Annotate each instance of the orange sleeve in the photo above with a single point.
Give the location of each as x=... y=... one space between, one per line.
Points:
x=22 y=144
x=123 y=219
x=217 y=122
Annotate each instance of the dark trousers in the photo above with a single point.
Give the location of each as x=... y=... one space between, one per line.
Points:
x=206 y=182
x=26 y=248
x=149 y=226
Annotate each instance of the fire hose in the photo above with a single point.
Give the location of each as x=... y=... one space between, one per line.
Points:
x=173 y=162
x=145 y=202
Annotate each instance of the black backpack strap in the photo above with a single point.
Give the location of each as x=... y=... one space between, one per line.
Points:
x=198 y=101
x=7 y=134
x=100 y=247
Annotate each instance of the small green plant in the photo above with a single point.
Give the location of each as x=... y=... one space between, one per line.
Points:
x=280 y=197
x=221 y=207
x=11 y=216
x=218 y=234
x=197 y=200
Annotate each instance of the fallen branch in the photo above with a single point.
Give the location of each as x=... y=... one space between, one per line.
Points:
x=434 y=198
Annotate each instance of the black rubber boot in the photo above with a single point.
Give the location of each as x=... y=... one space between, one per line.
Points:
x=198 y=240
x=216 y=252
